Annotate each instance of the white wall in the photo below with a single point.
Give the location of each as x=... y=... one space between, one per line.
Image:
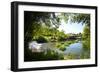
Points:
x=5 y=17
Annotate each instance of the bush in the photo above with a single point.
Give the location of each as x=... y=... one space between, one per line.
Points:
x=61 y=46
x=41 y=39
x=61 y=38
x=41 y=56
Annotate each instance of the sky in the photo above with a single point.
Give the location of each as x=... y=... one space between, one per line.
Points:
x=71 y=27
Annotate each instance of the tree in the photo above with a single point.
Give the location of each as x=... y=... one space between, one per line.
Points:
x=33 y=22
x=86 y=32
x=79 y=18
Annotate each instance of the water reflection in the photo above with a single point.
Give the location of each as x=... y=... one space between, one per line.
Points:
x=75 y=50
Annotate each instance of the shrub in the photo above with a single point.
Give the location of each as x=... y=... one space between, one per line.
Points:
x=41 y=39
x=41 y=56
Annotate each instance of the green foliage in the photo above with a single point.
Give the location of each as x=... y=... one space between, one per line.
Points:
x=70 y=56
x=46 y=55
x=80 y=18
x=86 y=42
x=86 y=32
x=41 y=39
x=61 y=38
x=62 y=45
x=34 y=21
x=43 y=27
x=85 y=54
x=86 y=37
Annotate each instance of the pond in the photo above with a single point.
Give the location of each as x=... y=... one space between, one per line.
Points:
x=74 y=50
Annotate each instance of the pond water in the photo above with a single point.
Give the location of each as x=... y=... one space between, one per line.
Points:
x=75 y=48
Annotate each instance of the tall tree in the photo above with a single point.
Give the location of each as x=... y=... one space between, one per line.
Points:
x=33 y=21
x=78 y=18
